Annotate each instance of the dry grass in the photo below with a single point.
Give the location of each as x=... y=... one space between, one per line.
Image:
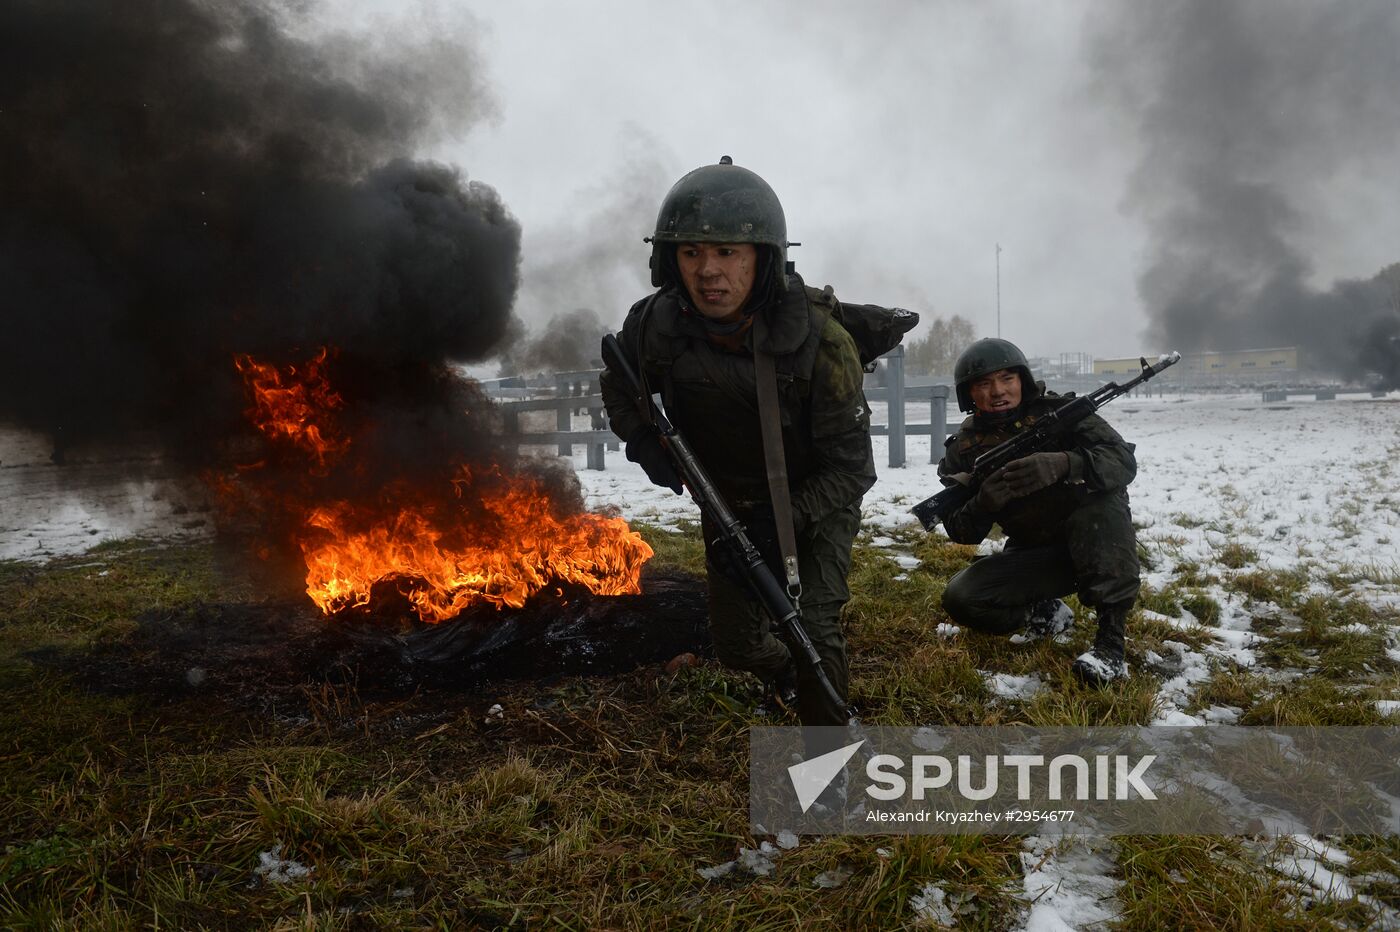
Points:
x=594 y=802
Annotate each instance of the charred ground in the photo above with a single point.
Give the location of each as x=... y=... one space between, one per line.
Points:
x=269 y=655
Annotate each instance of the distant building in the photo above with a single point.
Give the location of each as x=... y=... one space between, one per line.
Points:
x=1233 y=367
x=1065 y=365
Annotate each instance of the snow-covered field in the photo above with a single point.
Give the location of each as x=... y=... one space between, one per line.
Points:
x=1301 y=485
x=1301 y=482
x=49 y=510
x=1298 y=482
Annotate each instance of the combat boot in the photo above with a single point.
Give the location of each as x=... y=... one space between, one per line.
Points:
x=1048 y=618
x=1103 y=663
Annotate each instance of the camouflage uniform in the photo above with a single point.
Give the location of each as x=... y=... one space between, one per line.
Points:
x=710 y=396
x=1074 y=536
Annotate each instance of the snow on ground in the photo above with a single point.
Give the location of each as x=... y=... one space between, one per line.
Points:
x=51 y=510
x=1297 y=481
x=1303 y=486
x=1013 y=688
x=1318 y=871
x=1069 y=883
x=273 y=868
x=934 y=904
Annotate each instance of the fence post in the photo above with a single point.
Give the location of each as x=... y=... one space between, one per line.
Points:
x=938 y=421
x=510 y=425
x=595 y=450
x=894 y=377
x=563 y=414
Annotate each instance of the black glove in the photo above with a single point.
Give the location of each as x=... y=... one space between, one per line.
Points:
x=1035 y=472
x=762 y=529
x=644 y=449
x=724 y=559
x=762 y=532
x=995 y=494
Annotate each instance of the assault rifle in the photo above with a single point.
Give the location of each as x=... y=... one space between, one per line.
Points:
x=776 y=601
x=934 y=509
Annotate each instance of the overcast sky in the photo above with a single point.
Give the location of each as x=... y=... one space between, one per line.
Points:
x=905 y=140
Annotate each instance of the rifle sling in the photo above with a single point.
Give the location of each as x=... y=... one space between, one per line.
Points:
x=770 y=420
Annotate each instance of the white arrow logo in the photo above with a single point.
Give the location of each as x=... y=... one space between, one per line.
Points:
x=811 y=777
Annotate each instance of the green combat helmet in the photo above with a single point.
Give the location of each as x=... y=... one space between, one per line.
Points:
x=721 y=203
x=986 y=356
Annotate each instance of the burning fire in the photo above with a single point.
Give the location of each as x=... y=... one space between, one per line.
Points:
x=518 y=550
x=484 y=536
x=295 y=404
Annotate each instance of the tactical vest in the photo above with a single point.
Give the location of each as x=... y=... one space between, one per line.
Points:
x=711 y=396
x=1037 y=517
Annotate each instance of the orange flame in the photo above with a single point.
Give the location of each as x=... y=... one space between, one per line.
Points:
x=294 y=404
x=485 y=538
x=519 y=549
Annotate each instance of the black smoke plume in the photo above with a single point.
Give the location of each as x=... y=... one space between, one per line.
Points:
x=595 y=258
x=200 y=195
x=564 y=343
x=1245 y=111
x=183 y=181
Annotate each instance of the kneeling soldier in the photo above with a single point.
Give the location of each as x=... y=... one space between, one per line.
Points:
x=1064 y=512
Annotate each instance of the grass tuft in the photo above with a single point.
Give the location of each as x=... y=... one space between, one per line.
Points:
x=1236 y=555
x=1202 y=607
x=1279 y=586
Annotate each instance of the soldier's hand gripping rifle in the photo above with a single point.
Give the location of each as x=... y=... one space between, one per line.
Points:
x=765 y=586
x=934 y=509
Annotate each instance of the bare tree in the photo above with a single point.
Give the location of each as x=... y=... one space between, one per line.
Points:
x=938 y=349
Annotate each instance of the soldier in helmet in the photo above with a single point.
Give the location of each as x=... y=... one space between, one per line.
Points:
x=1064 y=511
x=727 y=293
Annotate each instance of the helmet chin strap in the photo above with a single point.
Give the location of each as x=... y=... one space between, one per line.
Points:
x=765 y=284
x=670 y=269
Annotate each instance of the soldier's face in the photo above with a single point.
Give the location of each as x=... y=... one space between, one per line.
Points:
x=997 y=391
x=719 y=276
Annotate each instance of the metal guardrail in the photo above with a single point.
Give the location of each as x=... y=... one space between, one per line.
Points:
x=1318 y=394
x=573 y=393
x=577 y=393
